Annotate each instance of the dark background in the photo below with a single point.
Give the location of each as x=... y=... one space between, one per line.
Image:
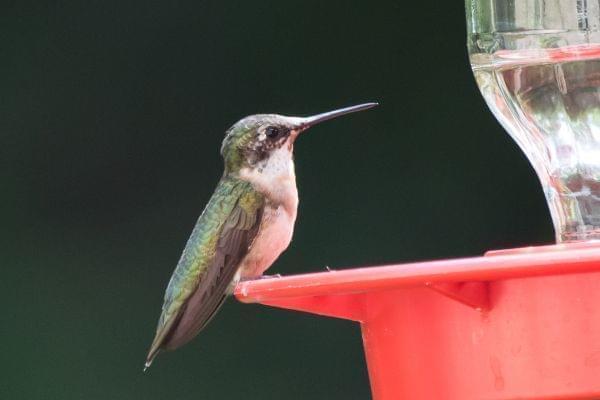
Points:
x=111 y=118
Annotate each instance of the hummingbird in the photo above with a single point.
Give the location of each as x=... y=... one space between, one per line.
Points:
x=247 y=223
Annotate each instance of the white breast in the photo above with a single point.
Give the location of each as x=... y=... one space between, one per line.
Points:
x=276 y=179
x=273 y=238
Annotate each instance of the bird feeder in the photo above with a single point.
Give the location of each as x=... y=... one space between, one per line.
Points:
x=512 y=324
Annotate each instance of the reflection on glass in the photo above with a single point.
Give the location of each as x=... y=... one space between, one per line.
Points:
x=537 y=64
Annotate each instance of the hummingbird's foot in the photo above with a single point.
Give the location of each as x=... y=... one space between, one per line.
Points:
x=254 y=278
x=235 y=282
x=270 y=276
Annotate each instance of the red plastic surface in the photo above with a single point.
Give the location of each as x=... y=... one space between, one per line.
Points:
x=514 y=324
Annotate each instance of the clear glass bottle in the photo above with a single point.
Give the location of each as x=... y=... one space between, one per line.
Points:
x=537 y=64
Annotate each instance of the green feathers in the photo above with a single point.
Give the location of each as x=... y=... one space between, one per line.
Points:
x=209 y=261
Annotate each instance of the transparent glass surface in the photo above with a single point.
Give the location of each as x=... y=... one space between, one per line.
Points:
x=537 y=64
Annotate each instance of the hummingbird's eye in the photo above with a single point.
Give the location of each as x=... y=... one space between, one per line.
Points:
x=272 y=132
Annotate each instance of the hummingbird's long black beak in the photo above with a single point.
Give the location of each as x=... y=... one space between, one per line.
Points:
x=307 y=122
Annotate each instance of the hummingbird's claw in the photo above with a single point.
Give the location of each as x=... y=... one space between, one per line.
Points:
x=256 y=278
x=270 y=276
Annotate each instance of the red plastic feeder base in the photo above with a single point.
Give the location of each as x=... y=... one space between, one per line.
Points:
x=514 y=324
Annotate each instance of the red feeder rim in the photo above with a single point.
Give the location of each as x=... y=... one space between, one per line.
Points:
x=531 y=329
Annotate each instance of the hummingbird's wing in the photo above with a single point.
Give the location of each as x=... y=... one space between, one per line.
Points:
x=220 y=240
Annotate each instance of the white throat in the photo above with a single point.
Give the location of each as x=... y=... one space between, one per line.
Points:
x=275 y=177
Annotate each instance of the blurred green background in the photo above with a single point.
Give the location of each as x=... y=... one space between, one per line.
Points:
x=112 y=114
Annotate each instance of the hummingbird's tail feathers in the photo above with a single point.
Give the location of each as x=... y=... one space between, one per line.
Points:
x=150 y=358
x=148 y=362
x=158 y=343
x=193 y=321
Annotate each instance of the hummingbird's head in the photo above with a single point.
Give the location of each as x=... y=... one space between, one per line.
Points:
x=254 y=140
